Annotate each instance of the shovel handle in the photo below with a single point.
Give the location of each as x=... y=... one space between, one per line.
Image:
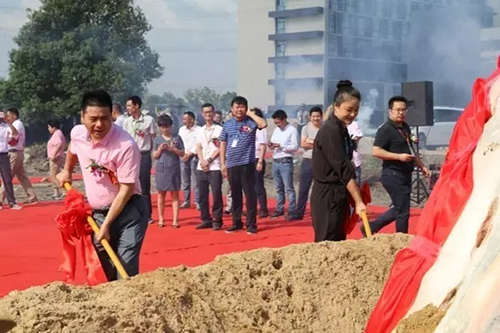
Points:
x=105 y=243
x=366 y=224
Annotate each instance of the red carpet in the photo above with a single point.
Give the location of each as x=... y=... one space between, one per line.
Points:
x=30 y=244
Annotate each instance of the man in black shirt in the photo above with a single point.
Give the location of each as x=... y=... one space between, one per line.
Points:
x=394 y=145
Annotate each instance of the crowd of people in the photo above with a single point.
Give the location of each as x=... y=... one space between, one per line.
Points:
x=116 y=152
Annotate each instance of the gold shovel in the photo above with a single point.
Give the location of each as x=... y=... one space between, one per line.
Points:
x=366 y=224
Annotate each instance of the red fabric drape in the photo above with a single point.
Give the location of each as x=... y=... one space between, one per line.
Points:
x=72 y=223
x=440 y=214
x=351 y=220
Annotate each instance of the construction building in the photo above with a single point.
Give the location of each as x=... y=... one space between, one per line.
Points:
x=294 y=51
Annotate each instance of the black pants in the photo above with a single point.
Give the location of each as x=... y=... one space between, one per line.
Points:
x=398 y=186
x=260 y=188
x=126 y=237
x=145 y=180
x=242 y=179
x=306 y=178
x=210 y=181
x=328 y=210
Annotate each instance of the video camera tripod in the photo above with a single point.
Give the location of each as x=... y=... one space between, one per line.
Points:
x=418 y=184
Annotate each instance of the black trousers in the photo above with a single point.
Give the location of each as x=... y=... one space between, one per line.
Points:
x=207 y=181
x=260 y=188
x=145 y=180
x=328 y=210
x=398 y=186
x=306 y=178
x=242 y=179
x=126 y=237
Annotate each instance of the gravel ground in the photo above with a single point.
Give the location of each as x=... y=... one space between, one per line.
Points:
x=36 y=164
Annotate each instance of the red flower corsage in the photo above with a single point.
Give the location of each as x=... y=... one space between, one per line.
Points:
x=245 y=129
x=140 y=133
x=216 y=142
x=98 y=171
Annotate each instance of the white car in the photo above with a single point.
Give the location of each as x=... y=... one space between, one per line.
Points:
x=439 y=135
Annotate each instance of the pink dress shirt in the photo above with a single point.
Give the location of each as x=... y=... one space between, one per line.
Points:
x=55 y=140
x=117 y=152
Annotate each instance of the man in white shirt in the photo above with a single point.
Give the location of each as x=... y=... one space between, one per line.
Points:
x=208 y=171
x=16 y=155
x=284 y=142
x=260 y=162
x=143 y=129
x=356 y=134
x=188 y=134
x=7 y=131
x=118 y=115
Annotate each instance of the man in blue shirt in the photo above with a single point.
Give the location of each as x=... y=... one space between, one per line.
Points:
x=237 y=157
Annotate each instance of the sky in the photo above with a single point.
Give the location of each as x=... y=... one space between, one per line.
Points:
x=196 y=41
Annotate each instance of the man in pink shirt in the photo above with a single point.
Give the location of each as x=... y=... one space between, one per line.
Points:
x=110 y=159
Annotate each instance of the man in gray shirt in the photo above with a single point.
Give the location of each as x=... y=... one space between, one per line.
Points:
x=307 y=143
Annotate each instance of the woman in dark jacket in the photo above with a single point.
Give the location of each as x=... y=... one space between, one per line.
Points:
x=333 y=172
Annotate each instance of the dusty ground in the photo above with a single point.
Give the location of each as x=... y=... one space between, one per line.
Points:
x=36 y=164
x=326 y=287
x=423 y=321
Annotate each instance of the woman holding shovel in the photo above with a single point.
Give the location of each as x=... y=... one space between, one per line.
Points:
x=109 y=159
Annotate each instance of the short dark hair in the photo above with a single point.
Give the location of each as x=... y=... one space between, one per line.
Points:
x=279 y=114
x=14 y=111
x=258 y=112
x=239 y=100
x=208 y=105
x=345 y=91
x=189 y=113
x=315 y=109
x=118 y=108
x=54 y=124
x=164 y=120
x=397 y=99
x=98 y=98
x=218 y=112
x=135 y=100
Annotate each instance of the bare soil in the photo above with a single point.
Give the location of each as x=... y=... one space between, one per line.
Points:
x=423 y=321
x=325 y=287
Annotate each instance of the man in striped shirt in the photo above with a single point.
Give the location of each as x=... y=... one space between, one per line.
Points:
x=237 y=155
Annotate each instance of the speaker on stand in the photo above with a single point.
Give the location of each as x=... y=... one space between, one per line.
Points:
x=420 y=96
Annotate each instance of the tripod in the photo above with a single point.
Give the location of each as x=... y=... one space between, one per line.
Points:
x=422 y=191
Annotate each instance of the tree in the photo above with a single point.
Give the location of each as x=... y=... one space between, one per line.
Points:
x=197 y=97
x=69 y=47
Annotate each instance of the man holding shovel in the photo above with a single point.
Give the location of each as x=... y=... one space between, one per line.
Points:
x=110 y=159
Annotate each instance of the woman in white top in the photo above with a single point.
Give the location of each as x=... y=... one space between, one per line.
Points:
x=260 y=162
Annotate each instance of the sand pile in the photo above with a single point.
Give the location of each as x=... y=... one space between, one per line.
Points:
x=328 y=287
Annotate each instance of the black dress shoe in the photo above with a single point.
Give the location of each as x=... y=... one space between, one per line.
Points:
x=204 y=225
x=234 y=229
x=217 y=226
x=251 y=231
x=292 y=218
x=277 y=214
x=263 y=215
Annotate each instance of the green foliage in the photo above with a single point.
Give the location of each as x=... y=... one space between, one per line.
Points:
x=193 y=100
x=69 y=47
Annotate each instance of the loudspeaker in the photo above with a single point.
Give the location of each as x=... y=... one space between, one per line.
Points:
x=420 y=96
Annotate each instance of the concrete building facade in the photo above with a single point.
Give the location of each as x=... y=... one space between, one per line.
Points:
x=293 y=52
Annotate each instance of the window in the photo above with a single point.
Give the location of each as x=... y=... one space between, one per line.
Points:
x=383 y=29
x=397 y=30
x=353 y=25
x=386 y=9
x=446 y=115
x=338 y=23
x=280 y=49
x=368 y=27
x=280 y=4
x=280 y=26
x=342 y=5
x=401 y=10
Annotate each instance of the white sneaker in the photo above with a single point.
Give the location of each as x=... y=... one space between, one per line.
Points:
x=15 y=207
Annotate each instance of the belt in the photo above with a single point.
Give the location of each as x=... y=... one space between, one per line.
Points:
x=3 y=154
x=13 y=150
x=105 y=211
x=283 y=159
x=145 y=151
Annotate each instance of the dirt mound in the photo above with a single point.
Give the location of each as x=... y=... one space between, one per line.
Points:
x=423 y=321
x=327 y=287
